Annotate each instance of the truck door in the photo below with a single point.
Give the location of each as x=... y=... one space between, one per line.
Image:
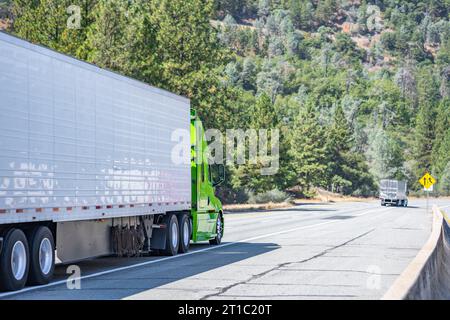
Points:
x=202 y=188
x=206 y=210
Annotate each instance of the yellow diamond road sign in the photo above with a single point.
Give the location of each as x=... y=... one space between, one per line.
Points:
x=427 y=181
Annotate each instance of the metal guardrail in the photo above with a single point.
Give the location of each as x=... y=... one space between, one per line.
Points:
x=428 y=276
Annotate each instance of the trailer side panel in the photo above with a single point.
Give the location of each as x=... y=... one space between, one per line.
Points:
x=79 y=143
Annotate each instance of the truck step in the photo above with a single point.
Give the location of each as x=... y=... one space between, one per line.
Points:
x=159 y=226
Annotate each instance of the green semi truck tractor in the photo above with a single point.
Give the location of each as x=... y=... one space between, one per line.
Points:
x=208 y=223
x=93 y=163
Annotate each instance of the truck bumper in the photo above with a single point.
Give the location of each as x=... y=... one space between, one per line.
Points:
x=394 y=202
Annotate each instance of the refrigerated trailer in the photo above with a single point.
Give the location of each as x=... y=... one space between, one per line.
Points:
x=92 y=164
x=393 y=192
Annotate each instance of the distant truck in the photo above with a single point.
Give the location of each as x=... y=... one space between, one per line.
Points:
x=87 y=169
x=393 y=192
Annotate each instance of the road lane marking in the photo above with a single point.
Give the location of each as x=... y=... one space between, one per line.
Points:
x=146 y=263
x=237 y=216
x=265 y=217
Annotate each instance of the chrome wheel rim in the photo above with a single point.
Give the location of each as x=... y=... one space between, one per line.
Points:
x=186 y=232
x=219 y=228
x=18 y=260
x=45 y=256
x=174 y=235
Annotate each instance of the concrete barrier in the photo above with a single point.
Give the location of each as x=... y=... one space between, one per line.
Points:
x=428 y=276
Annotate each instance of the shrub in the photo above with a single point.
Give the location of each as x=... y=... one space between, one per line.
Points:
x=275 y=196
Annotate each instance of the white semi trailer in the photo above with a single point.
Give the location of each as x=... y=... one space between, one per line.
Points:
x=393 y=192
x=86 y=166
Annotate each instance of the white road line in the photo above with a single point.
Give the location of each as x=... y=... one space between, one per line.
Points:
x=370 y=211
x=235 y=216
x=56 y=283
x=231 y=220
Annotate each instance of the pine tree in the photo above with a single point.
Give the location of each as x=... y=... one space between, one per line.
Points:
x=424 y=139
x=308 y=150
x=47 y=22
x=264 y=115
x=40 y=22
x=140 y=60
x=339 y=140
x=444 y=180
x=325 y=10
x=248 y=74
x=347 y=170
x=441 y=148
x=307 y=15
x=249 y=175
x=443 y=57
x=189 y=55
x=107 y=36
x=295 y=11
x=186 y=42
x=425 y=123
x=385 y=155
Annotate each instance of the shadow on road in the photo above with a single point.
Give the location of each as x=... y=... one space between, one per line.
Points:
x=123 y=284
x=408 y=207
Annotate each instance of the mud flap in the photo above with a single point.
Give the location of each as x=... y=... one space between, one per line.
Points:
x=158 y=241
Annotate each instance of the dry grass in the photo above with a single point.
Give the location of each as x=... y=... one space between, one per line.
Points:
x=4 y=24
x=424 y=197
x=255 y=207
x=326 y=196
x=322 y=196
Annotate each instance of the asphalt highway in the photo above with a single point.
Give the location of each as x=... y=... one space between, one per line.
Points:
x=347 y=250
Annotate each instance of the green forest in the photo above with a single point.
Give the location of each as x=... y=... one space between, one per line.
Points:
x=359 y=90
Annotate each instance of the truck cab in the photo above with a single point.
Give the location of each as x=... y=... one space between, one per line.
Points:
x=207 y=212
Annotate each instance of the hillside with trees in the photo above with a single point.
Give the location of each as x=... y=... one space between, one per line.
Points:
x=359 y=90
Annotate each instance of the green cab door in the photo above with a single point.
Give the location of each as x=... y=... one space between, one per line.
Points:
x=203 y=199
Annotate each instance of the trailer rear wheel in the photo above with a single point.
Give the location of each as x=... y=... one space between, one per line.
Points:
x=42 y=256
x=185 y=233
x=14 y=261
x=172 y=236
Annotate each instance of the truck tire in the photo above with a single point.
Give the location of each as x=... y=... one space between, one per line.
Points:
x=219 y=231
x=172 y=235
x=42 y=256
x=185 y=233
x=14 y=261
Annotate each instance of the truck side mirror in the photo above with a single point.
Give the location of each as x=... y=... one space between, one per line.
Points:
x=220 y=176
